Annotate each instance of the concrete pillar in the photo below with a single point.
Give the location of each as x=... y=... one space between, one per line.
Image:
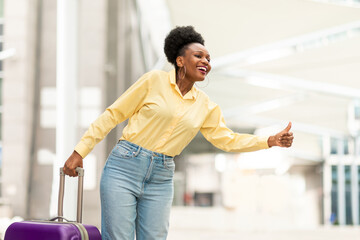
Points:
x=67 y=107
x=19 y=33
x=112 y=81
x=354 y=182
x=326 y=181
x=341 y=183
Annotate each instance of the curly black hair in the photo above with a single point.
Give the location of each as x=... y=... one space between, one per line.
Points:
x=178 y=39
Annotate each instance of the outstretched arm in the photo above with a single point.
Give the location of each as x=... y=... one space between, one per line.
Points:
x=124 y=107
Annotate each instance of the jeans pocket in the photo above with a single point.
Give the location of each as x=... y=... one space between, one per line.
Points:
x=122 y=152
x=169 y=165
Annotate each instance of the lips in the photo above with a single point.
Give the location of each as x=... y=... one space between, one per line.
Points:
x=202 y=69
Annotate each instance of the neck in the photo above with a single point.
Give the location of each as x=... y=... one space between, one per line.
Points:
x=184 y=85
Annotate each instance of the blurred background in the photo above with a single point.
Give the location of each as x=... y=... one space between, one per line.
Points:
x=274 y=61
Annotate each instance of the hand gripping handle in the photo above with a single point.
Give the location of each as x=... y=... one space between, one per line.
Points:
x=80 y=172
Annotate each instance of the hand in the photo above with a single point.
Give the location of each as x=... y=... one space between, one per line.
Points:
x=75 y=160
x=282 y=139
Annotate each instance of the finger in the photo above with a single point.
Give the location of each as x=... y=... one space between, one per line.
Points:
x=286 y=144
x=69 y=171
x=66 y=171
x=286 y=138
x=73 y=172
x=288 y=127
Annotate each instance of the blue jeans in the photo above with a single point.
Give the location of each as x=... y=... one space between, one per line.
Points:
x=136 y=191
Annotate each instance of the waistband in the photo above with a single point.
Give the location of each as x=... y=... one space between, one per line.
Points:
x=138 y=149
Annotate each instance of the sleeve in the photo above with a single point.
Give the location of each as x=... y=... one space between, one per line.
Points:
x=216 y=132
x=123 y=108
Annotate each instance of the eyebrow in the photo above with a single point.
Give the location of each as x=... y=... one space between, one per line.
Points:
x=202 y=52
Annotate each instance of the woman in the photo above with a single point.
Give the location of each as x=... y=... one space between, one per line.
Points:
x=165 y=112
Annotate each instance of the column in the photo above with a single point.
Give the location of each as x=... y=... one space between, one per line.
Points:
x=67 y=107
x=326 y=180
x=354 y=182
x=341 y=182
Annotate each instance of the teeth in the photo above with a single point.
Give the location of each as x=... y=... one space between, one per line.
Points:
x=202 y=68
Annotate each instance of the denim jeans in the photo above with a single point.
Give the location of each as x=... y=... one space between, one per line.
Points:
x=136 y=191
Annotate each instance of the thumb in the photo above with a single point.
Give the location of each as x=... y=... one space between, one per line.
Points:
x=287 y=129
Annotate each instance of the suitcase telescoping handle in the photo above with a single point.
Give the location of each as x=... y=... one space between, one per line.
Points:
x=80 y=172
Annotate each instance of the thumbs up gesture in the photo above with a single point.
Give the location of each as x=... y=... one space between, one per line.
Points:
x=282 y=139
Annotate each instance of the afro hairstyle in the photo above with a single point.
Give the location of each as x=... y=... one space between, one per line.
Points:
x=178 y=39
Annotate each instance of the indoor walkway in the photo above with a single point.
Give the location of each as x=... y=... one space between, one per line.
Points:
x=189 y=223
x=341 y=233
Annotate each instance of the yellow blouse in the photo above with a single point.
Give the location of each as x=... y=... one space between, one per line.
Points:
x=164 y=121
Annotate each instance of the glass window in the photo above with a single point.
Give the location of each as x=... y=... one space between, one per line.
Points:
x=0 y=95
x=359 y=189
x=334 y=146
x=0 y=132
x=334 y=197
x=348 y=206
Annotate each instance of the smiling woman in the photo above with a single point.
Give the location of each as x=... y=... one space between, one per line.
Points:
x=195 y=64
x=165 y=112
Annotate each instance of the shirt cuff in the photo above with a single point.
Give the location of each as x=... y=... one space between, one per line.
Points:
x=82 y=149
x=263 y=142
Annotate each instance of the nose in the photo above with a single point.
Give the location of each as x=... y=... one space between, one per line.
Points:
x=206 y=62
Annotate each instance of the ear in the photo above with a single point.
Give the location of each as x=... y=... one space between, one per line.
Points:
x=180 y=61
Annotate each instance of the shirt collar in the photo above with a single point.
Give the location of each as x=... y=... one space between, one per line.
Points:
x=189 y=95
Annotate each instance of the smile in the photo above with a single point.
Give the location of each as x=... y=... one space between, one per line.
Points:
x=202 y=69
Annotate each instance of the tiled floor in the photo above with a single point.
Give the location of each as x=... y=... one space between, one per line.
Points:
x=317 y=234
x=188 y=223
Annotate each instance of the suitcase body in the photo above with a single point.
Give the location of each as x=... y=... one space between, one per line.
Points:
x=55 y=230
x=41 y=230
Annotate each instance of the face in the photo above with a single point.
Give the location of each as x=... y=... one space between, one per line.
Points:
x=196 y=61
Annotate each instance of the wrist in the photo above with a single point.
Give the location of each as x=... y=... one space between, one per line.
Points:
x=271 y=141
x=77 y=154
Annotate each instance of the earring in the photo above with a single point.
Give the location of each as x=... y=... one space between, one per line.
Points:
x=206 y=79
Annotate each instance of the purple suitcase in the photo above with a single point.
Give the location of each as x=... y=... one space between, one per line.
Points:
x=56 y=230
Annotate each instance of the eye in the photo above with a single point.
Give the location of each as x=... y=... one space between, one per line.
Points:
x=197 y=55
x=208 y=59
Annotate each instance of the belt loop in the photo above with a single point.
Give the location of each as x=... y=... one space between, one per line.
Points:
x=138 y=151
x=163 y=161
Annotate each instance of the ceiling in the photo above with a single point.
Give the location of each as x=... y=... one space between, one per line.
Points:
x=276 y=61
